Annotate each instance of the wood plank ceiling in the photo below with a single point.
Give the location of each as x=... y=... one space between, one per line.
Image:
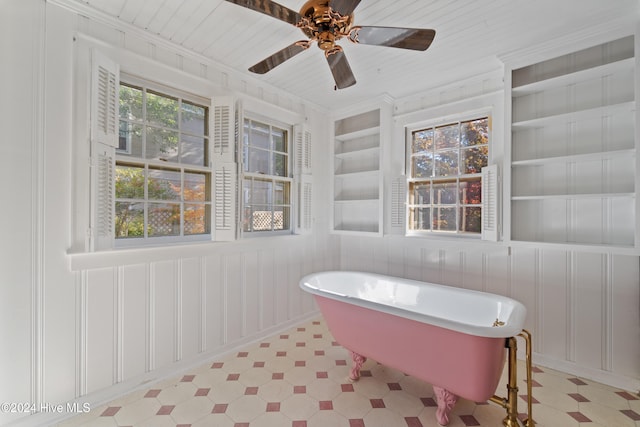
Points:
x=471 y=34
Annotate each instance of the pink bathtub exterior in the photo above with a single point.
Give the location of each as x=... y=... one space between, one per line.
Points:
x=442 y=335
x=466 y=365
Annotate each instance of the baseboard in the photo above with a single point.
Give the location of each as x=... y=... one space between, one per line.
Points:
x=116 y=391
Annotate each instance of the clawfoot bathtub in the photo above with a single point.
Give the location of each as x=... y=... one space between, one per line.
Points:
x=454 y=339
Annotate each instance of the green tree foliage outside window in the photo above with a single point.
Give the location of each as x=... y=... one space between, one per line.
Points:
x=163 y=181
x=445 y=182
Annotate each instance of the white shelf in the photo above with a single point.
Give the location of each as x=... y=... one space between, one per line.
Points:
x=362 y=174
x=358 y=153
x=587 y=114
x=358 y=134
x=605 y=155
x=356 y=166
x=577 y=76
x=575 y=136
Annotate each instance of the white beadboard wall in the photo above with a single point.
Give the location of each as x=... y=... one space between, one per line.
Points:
x=582 y=308
x=133 y=319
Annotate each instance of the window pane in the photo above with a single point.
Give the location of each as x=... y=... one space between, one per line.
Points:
x=420 y=218
x=259 y=136
x=164 y=219
x=444 y=219
x=471 y=191
x=422 y=166
x=129 y=220
x=162 y=110
x=246 y=218
x=162 y=144
x=262 y=192
x=420 y=193
x=279 y=139
x=262 y=218
x=446 y=163
x=281 y=193
x=471 y=219
x=444 y=193
x=422 y=141
x=194 y=150
x=195 y=187
x=193 y=119
x=474 y=132
x=163 y=184
x=130 y=140
x=130 y=103
x=196 y=218
x=447 y=136
x=280 y=164
x=129 y=182
x=281 y=218
x=474 y=159
x=258 y=161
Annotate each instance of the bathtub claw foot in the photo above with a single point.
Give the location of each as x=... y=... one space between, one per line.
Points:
x=446 y=401
x=358 y=361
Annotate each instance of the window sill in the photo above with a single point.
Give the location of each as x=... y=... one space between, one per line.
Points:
x=145 y=254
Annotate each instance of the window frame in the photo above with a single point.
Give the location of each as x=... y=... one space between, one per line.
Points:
x=124 y=158
x=433 y=179
x=260 y=176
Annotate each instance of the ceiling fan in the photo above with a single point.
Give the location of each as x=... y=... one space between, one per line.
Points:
x=326 y=22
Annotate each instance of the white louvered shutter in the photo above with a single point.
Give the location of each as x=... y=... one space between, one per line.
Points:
x=104 y=138
x=398 y=205
x=304 y=223
x=225 y=169
x=490 y=199
x=302 y=138
x=303 y=179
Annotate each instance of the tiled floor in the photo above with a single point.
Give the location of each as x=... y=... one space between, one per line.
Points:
x=298 y=379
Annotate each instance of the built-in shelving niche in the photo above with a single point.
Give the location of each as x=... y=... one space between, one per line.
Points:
x=573 y=148
x=357 y=177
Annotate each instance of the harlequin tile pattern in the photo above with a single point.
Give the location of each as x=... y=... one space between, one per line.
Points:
x=299 y=379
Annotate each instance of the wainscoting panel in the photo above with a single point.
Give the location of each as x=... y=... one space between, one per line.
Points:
x=133 y=321
x=100 y=336
x=163 y=320
x=583 y=308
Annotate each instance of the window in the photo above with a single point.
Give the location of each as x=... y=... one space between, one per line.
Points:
x=266 y=186
x=163 y=173
x=445 y=179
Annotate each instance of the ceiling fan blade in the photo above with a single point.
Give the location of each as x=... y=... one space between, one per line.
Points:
x=270 y=8
x=344 y=7
x=279 y=57
x=341 y=70
x=404 y=38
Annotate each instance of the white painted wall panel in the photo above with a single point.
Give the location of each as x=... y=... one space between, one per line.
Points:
x=623 y=305
x=233 y=297
x=134 y=318
x=251 y=290
x=20 y=271
x=553 y=282
x=163 y=283
x=101 y=334
x=214 y=317
x=266 y=262
x=586 y=334
x=190 y=307
x=525 y=280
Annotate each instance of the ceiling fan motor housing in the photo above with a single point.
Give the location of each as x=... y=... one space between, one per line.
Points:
x=323 y=24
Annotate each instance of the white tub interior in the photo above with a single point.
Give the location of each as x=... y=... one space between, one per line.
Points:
x=462 y=310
